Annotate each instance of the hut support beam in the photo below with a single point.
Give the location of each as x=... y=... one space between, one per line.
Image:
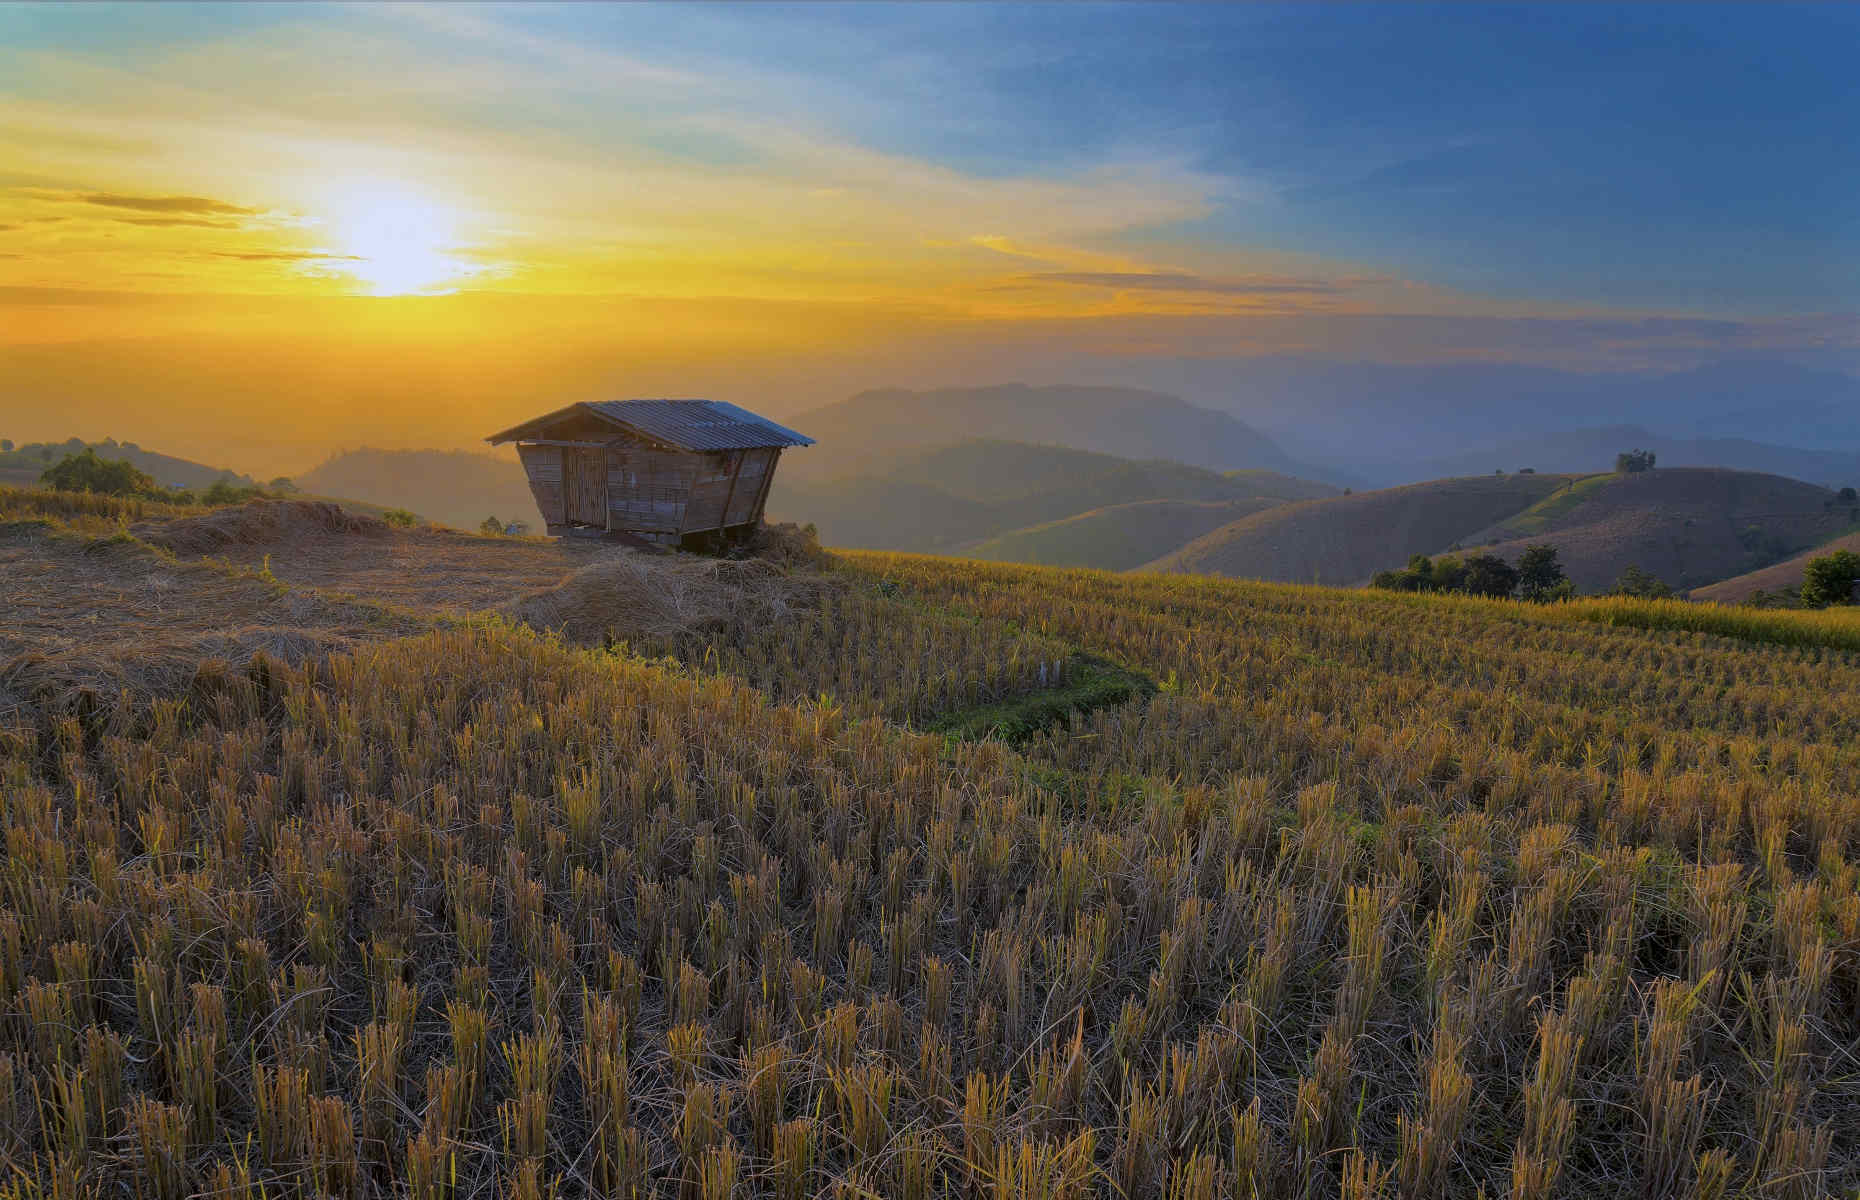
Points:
x=762 y=494
x=723 y=518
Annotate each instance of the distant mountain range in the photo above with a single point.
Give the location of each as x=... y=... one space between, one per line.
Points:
x=1127 y=422
x=1388 y=423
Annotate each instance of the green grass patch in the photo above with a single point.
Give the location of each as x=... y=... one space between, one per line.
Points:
x=1090 y=683
x=1539 y=516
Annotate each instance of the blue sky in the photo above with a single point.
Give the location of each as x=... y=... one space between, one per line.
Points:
x=1703 y=156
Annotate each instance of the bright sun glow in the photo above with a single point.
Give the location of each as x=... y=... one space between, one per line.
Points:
x=395 y=241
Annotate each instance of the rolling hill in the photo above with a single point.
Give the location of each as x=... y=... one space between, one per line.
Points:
x=1344 y=540
x=452 y=487
x=1128 y=422
x=1690 y=526
x=951 y=497
x=1119 y=536
x=1594 y=449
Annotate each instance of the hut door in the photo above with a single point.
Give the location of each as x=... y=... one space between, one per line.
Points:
x=585 y=479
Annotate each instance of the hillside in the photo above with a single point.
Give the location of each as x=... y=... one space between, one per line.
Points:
x=452 y=487
x=1117 y=537
x=1344 y=540
x=1127 y=422
x=953 y=496
x=943 y=878
x=1690 y=526
x=1776 y=577
x=23 y=465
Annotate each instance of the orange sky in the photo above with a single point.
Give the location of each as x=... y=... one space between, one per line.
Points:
x=258 y=234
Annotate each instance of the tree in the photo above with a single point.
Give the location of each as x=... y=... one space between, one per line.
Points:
x=1846 y=495
x=87 y=473
x=1830 y=579
x=491 y=525
x=1633 y=462
x=1645 y=584
x=282 y=483
x=6 y=447
x=1487 y=575
x=1527 y=470
x=1540 y=575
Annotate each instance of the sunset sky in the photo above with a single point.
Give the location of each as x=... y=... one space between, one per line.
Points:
x=282 y=229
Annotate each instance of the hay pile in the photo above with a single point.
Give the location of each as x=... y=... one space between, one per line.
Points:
x=256 y=523
x=634 y=596
x=789 y=545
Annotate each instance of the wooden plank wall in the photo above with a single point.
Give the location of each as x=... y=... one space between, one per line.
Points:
x=543 y=465
x=711 y=489
x=648 y=489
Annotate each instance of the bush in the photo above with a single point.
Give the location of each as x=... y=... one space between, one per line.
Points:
x=1540 y=575
x=1830 y=579
x=400 y=517
x=1636 y=582
x=491 y=525
x=85 y=472
x=1632 y=462
x=229 y=491
x=1488 y=575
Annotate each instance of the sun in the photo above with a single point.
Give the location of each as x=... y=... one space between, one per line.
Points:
x=396 y=242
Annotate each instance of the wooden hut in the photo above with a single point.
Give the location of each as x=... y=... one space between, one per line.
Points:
x=661 y=470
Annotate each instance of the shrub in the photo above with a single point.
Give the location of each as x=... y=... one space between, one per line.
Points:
x=1632 y=462
x=491 y=525
x=227 y=490
x=86 y=472
x=1830 y=579
x=400 y=517
x=1636 y=582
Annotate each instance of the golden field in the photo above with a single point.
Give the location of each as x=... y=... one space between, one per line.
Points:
x=1374 y=895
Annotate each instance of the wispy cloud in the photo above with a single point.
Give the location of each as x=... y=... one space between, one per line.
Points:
x=285 y=256
x=202 y=222
x=165 y=204
x=1174 y=281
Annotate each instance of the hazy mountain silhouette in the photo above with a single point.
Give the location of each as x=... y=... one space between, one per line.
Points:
x=1127 y=422
x=1383 y=421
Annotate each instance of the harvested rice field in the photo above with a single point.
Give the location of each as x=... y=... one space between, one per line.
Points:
x=888 y=875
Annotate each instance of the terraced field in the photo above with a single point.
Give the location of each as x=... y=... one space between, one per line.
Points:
x=1343 y=893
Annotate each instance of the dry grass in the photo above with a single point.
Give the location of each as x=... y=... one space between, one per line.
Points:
x=110 y=616
x=1376 y=897
x=267 y=523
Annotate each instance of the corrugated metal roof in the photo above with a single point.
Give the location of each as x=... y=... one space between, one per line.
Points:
x=700 y=424
x=686 y=424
